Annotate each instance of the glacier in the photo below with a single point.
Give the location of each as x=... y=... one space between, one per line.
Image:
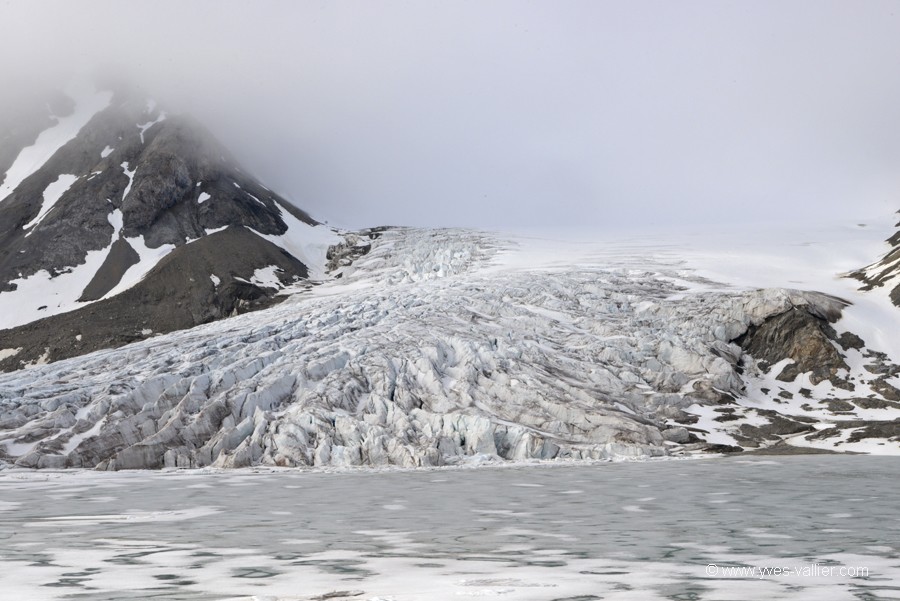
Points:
x=443 y=347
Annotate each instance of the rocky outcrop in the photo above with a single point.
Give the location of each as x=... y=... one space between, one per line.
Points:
x=806 y=339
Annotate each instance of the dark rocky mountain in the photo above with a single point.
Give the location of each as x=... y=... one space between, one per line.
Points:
x=119 y=221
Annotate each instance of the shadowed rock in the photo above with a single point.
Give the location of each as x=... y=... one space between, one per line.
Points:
x=798 y=335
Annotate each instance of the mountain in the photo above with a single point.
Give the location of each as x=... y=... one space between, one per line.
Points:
x=128 y=235
x=120 y=221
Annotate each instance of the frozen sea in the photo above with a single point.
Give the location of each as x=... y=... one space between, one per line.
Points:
x=755 y=527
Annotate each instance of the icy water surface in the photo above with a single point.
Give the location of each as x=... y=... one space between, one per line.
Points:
x=811 y=527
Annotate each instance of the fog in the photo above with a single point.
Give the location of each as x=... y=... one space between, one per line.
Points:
x=513 y=114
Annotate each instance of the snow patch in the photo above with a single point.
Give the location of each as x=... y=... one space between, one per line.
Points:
x=106 y=152
x=203 y=198
x=42 y=360
x=267 y=277
x=116 y=219
x=306 y=242
x=254 y=198
x=52 y=194
x=145 y=126
x=130 y=176
x=9 y=352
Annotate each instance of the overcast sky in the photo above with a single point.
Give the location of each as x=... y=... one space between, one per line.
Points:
x=506 y=114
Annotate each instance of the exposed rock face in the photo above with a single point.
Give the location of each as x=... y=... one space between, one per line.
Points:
x=127 y=203
x=797 y=335
x=165 y=179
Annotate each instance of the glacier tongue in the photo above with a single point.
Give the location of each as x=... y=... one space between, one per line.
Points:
x=426 y=351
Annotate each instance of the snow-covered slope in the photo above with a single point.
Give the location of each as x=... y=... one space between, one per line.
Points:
x=441 y=346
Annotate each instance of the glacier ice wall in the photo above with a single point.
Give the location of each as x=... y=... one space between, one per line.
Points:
x=431 y=349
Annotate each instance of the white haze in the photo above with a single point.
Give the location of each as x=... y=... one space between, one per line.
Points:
x=498 y=113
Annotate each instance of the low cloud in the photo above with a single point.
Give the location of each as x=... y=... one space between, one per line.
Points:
x=511 y=114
